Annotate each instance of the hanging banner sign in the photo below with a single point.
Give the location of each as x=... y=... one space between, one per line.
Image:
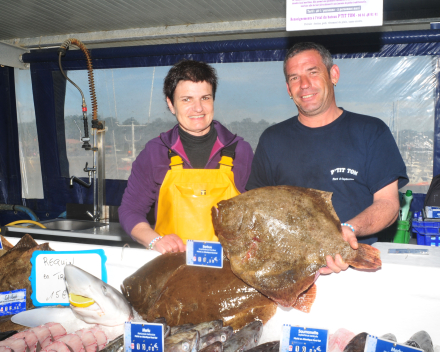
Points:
x=304 y=15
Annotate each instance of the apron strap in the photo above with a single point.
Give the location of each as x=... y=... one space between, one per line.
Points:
x=228 y=156
x=176 y=161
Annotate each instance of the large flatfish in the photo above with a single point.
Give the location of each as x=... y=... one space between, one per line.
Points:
x=15 y=266
x=190 y=294
x=277 y=238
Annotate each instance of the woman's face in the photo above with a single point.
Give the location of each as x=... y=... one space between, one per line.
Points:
x=193 y=106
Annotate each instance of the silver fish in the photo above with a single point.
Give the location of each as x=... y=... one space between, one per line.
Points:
x=180 y=328
x=221 y=335
x=244 y=339
x=187 y=341
x=273 y=346
x=117 y=345
x=166 y=327
x=213 y=347
x=421 y=340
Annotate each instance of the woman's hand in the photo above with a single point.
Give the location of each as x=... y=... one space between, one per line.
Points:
x=169 y=244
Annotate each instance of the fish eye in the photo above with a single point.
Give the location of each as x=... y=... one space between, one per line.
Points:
x=185 y=346
x=104 y=290
x=223 y=338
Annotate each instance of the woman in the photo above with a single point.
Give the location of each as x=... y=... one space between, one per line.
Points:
x=197 y=141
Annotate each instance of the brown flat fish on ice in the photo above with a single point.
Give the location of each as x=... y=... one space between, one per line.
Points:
x=5 y=244
x=167 y=287
x=277 y=238
x=15 y=266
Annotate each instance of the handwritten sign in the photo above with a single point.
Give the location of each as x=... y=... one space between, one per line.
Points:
x=47 y=276
x=311 y=14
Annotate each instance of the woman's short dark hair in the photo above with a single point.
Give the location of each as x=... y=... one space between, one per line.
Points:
x=189 y=70
x=300 y=47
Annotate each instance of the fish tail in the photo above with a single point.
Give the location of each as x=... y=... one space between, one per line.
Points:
x=367 y=257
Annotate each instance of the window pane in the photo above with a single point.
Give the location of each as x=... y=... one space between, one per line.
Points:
x=32 y=184
x=252 y=96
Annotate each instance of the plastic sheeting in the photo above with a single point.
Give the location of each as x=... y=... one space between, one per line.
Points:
x=360 y=46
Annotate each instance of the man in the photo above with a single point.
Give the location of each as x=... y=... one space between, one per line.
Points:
x=327 y=148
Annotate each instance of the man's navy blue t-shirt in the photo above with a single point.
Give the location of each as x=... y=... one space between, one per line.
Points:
x=353 y=157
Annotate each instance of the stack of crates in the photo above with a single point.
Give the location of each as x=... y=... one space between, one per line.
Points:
x=428 y=232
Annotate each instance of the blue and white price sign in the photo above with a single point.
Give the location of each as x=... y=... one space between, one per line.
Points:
x=1 y=244
x=206 y=253
x=374 y=344
x=12 y=302
x=141 y=337
x=300 y=339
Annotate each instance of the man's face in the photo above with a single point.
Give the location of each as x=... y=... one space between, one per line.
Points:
x=193 y=106
x=309 y=83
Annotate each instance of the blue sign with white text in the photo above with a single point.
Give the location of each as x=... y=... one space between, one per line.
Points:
x=300 y=339
x=142 y=337
x=374 y=344
x=12 y=302
x=206 y=253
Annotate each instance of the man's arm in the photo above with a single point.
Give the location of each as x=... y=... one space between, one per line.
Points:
x=379 y=215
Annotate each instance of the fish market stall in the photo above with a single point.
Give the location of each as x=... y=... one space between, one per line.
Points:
x=400 y=298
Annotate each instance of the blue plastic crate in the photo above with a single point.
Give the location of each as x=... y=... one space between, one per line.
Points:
x=428 y=232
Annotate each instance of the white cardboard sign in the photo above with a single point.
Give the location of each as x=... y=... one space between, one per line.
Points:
x=47 y=277
x=304 y=15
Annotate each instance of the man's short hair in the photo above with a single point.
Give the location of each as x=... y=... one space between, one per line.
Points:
x=189 y=70
x=300 y=47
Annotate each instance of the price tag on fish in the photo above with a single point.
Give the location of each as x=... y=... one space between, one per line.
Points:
x=199 y=253
x=142 y=337
x=47 y=276
x=301 y=339
x=374 y=344
x=12 y=302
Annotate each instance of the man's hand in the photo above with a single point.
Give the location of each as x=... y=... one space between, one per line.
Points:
x=169 y=244
x=337 y=265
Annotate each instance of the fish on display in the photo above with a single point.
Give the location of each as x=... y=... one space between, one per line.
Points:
x=117 y=345
x=213 y=347
x=357 y=343
x=221 y=335
x=421 y=340
x=273 y=346
x=244 y=339
x=277 y=238
x=203 y=328
x=183 y=327
x=5 y=244
x=186 y=341
x=16 y=267
x=166 y=327
x=193 y=295
x=92 y=302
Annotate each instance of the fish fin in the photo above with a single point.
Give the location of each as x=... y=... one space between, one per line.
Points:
x=26 y=242
x=367 y=257
x=305 y=300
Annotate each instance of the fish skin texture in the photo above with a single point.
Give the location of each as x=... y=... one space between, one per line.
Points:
x=15 y=267
x=277 y=239
x=357 y=343
x=192 y=294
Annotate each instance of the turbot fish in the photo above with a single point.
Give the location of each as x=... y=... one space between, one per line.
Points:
x=193 y=295
x=15 y=266
x=277 y=238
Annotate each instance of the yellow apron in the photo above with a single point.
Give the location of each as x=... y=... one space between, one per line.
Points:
x=187 y=196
